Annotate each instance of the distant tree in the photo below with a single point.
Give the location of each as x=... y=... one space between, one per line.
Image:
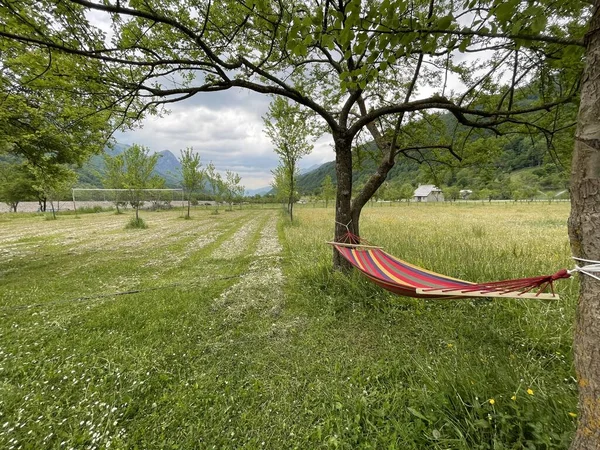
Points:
x=52 y=181
x=530 y=192
x=406 y=192
x=15 y=185
x=281 y=185
x=232 y=189
x=451 y=193
x=483 y=194
x=327 y=190
x=475 y=195
x=114 y=177
x=382 y=192
x=290 y=131
x=139 y=166
x=192 y=175
x=217 y=185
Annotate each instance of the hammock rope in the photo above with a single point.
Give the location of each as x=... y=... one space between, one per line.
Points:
x=402 y=278
x=588 y=269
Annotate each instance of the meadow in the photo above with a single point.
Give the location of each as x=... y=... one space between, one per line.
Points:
x=232 y=331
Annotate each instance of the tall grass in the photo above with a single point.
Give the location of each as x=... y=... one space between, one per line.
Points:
x=458 y=373
x=186 y=357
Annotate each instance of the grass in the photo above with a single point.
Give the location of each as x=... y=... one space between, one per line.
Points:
x=236 y=333
x=136 y=223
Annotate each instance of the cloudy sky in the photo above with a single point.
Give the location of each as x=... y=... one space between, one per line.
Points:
x=225 y=128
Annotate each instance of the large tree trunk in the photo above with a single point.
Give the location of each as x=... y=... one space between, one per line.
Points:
x=347 y=211
x=584 y=232
x=343 y=211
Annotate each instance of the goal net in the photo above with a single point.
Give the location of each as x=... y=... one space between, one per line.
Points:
x=124 y=198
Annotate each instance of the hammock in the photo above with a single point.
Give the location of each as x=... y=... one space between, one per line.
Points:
x=402 y=278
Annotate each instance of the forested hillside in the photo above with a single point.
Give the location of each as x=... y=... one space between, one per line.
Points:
x=520 y=163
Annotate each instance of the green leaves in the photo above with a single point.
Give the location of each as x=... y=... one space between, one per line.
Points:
x=539 y=23
x=138 y=166
x=191 y=170
x=506 y=9
x=443 y=23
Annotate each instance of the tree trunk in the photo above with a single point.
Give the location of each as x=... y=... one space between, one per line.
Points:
x=368 y=191
x=188 y=216
x=584 y=233
x=343 y=212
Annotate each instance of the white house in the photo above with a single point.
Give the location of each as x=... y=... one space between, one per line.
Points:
x=428 y=193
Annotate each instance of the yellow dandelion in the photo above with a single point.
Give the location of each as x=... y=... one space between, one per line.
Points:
x=514 y=398
x=450 y=345
x=572 y=414
x=492 y=401
x=530 y=391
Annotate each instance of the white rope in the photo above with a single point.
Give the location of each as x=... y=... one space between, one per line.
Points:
x=588 y=269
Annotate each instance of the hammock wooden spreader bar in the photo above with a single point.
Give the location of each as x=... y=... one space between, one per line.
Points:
x=403 y=278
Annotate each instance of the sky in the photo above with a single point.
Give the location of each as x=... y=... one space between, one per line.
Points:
x=225 y=128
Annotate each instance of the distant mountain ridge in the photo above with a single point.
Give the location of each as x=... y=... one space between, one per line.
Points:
x=258 y=191
x=520 y=162
x=168 y=167
x=169 y=164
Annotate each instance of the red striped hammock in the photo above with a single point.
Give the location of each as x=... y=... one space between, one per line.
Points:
x=402 y=278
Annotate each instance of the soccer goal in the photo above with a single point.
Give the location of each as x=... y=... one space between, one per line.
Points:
x=122 y=198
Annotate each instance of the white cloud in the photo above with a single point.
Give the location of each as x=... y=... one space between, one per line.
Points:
x=225 y=128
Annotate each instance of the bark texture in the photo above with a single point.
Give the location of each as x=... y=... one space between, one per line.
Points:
x=343 y=210
x=584 y=233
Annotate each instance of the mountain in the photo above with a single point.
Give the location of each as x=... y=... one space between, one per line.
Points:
x=258 y=191
x=168 y=164
x=90 y=174
x=519 y=165
x=309 y=169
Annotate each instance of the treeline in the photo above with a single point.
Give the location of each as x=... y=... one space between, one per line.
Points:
x=131 y=168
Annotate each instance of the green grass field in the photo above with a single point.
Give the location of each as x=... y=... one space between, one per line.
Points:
x=231 y=331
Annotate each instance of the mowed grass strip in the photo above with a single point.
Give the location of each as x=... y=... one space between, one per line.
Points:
x=98 y=258
x=100 y=372
x=322 y=361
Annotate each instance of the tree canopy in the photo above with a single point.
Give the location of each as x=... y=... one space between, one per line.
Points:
x=361 y=67
x=50 y=110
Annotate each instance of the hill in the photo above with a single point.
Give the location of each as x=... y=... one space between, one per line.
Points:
x=520 y=165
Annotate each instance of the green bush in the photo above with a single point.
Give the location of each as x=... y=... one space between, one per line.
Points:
x=136 y=223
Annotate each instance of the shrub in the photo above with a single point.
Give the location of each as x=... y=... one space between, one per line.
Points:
x=136 y=223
